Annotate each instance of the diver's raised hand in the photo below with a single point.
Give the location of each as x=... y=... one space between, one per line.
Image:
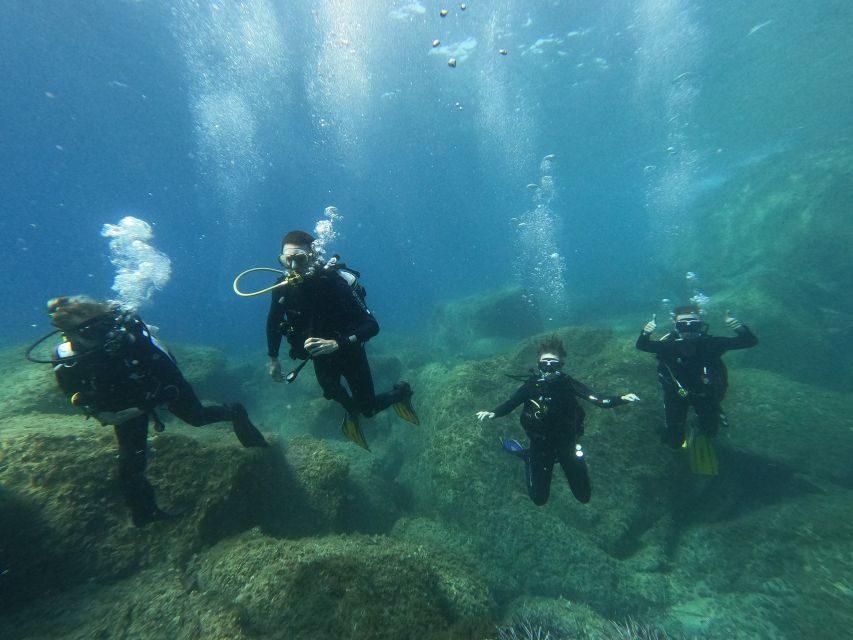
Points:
x=651 y=325
x=274 y=369
x=631 y=397
x=732 y=322
x=485 y=415
x=320 y=346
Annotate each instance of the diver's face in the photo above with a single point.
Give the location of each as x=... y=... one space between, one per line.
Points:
x=550 y=364
x=688 y=324
x=67 y=316
x=296 y=257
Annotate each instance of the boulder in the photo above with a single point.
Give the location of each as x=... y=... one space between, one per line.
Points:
x=342 y=586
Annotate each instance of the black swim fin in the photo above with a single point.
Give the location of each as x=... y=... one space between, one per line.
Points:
x=352 y=431
x=246 y=432
x=403 y=407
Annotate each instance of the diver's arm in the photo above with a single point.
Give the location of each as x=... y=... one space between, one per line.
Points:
x=605 y=402
x=743 y=340
x=509 y=406
x=364 y=325
x=645 y=343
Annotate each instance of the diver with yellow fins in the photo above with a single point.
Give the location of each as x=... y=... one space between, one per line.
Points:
x=692 y=374
x=319 y=306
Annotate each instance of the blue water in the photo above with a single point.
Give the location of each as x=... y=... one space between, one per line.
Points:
x=225 y=125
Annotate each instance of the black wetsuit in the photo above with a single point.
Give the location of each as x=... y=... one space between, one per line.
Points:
x=692 y=374
x=325 y=305
x=553 y=420
x=131 y=370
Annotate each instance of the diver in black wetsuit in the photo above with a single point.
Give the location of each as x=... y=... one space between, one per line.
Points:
x=691 y=370
x=553 y=420
x=320 y=308
x=114 y=369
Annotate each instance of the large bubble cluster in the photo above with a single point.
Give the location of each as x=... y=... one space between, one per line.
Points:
x=325 y=231
x=140 y=268
x=538 y=264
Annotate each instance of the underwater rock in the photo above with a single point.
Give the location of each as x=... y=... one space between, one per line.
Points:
x=779 y=570
x=483 y=324
x=154 y=603
x=70 y=521
x=347 y=586
x=28 y=387
x=314 y=501
x=199 y=362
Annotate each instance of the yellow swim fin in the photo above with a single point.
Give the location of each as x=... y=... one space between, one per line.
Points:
x=703 y=455
x=352 y=431
x=406 y=412
x=404 y=408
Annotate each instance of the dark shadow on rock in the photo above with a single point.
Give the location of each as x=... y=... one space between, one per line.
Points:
x=746 y=482
x=28 y=567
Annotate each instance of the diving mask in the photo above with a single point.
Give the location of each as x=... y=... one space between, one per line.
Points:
x=689 y=326
x=295 y=259
x=550 y=365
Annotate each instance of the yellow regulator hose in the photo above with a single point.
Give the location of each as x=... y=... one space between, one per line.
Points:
x=249 y=294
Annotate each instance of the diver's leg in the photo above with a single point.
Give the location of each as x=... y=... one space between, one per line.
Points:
x=356 y=369
x=574 y=467
x=188 y=408
x=675 y=409
x=710 y=414
x=539 y=466
x=328 y=370
x=138 y=493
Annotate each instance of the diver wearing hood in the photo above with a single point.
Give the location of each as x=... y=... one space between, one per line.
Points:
x=691 y=370
x=111 y=367
x=322 y=313
x=553 y=421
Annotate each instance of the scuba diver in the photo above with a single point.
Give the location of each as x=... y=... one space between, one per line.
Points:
x=320 y=307
x=692 y=374
x=553 y=420
x=111 y=367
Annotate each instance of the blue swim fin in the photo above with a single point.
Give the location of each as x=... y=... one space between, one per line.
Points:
x=513 y=447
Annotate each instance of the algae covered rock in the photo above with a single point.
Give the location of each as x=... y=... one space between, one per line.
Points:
x=347 y=586
x=28 y=387
x=316 y=488
x=784 y=565
x=153 y=603
x=198 y=362
x=70 y=521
